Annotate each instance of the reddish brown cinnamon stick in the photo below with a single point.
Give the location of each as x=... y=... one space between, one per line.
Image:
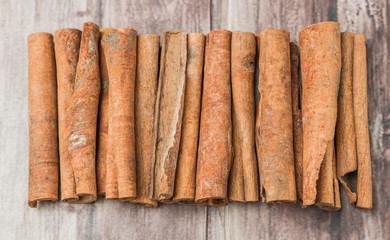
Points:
x=42 y=109
x=320 y=65
x=120 y=50
x=170 y=102
x=81 y=118
x=274 y=118
x=215 y=136
x=103 y=119
x=364 y=178
x=145 y=101
x=243 y=183
x=67 y=46
x=186 y=165
x=297 y=119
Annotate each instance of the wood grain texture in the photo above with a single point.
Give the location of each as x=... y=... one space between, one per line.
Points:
x=111 y=219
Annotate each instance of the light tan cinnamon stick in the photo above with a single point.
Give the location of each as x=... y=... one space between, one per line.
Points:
x=120 y=50
x=103 y=119
x=145 y=101
x=170 y=102
x=297 y=119
x=186 y=164
x=215 y=136
x=42 y=113
x=320 y=67
x=243 y=182
x=274 y=133
x=364 y=178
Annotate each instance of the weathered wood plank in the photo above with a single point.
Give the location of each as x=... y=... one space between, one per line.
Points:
x=371 y=17
x=153 y=17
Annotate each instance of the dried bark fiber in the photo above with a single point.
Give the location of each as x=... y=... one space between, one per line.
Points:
x=215 y=136
x=274 y=130
x=145 y=101
x=352 y=138
x=186 y=165
x=81 y=107
x=169 y=107
x=101 y=166
x=297 y=119
x=42 y=113
x=67 y=46
x=120 y=50
x=243 y=180
x=320 y=66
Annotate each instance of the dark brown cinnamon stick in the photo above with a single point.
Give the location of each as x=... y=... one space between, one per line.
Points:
x=297 y=119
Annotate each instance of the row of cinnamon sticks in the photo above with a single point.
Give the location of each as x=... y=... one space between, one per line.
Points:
x=109 y=115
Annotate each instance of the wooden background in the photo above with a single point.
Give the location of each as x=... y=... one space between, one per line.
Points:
x=115 y=220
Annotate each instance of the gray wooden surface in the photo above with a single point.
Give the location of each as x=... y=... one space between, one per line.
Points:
x=115 y=220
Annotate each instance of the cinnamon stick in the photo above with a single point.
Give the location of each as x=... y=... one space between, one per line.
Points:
x=297 y=119
x=170 y=102
x=274 y=119
x=320 y=67
x=186 y=163
x=328 y=193
x=67 y=46
x=42 y=109
x=145 y=101
x=243 y=182
x=215 y=135
x=364 y=178
x=103 y=119
x=345 y=127
x=120 y=50
x=81 y=118
x=353 y=160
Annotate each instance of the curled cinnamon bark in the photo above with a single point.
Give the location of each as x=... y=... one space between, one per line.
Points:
x=145 y=101
x=67 y=46
x=243 y=180
x=297 y=119
x=274 y=119
x=103 y=119
x=352 y=138
x=186 y=165
x=364 y=178
x=345 y=127
x=120 y=50
x=81 y=119
x=328 y=193
x=170 y=102
x=320 y=67
x=215 y=136
x=42 y=118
